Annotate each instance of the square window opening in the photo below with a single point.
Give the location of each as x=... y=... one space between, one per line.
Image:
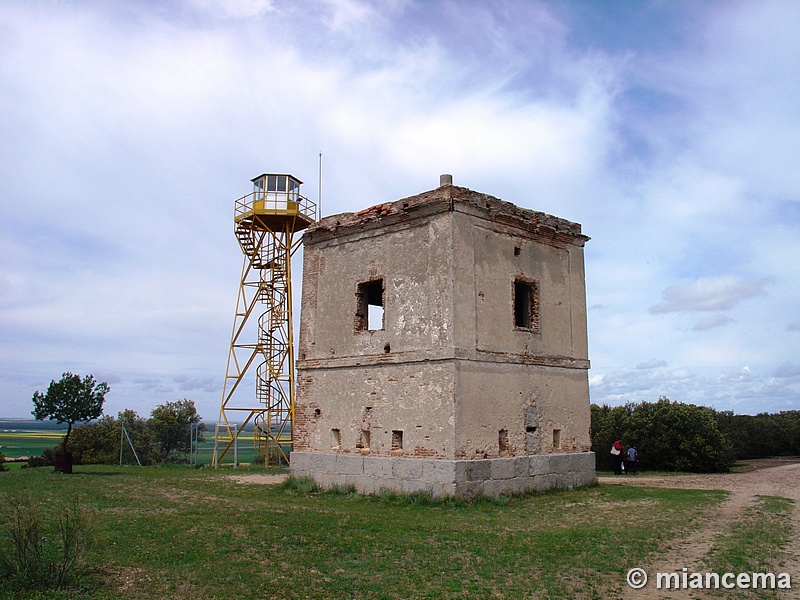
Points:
x=502 y=441
x=370 y=309
x=397 y=440
x=363 y=440
x=526 y=305
x=556 y=439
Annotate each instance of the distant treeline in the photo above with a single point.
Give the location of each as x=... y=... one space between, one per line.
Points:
x=673 y=436
x=30 y=425
x=168 y=435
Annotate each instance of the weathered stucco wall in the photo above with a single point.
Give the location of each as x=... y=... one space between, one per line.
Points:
x=411 y=257
x=532 y=385
x=528 y=403
x=416 y=399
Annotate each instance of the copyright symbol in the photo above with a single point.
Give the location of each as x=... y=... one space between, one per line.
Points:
x=637 y=578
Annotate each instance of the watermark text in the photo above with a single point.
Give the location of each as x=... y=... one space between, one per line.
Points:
x=691 y=580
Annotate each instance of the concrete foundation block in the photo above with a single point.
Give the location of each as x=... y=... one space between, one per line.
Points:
x=407 y=468
x=415 y=486
x=348 y=464
x=521 y=485
x=441 y=477
x=443 y=489
x=522 y=466
x=585 y=461
x=539 y=464
x=364 y=484
x=460 y=470
x=469 y=489
x=565 y=481
x=308 y=463
x=299 y=463
x=501 y=468
x=585 y=477
x=561 y=463
x=378 y=467
x=496 y=487
x=439 y=471
x=478 y=470
x=324 y=480
x=544 y=482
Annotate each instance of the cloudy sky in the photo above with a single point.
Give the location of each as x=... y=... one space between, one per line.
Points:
x=669 y=129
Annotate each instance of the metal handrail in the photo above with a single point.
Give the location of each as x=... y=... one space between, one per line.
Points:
x=279 y=202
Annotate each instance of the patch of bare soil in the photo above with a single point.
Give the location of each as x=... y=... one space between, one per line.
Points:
x=765 y=477
x=259 y=479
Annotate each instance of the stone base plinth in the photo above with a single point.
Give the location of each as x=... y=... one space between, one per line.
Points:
x=439 y=477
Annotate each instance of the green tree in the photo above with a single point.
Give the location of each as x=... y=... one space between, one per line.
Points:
x=170 y=424
x=96 y=443
x=3 y=466
x=70 y=400
x=762 y=435
x=99 y=443
x=672 y=436
x=139 y=434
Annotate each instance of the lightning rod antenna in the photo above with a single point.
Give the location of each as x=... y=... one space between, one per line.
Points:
x=319 y=195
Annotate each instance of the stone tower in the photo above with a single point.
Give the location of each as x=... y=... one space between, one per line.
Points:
x=443 y=348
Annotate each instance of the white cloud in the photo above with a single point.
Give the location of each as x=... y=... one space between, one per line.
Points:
x=711 y=322
x=710 y=294
x=233 y=9
x=787 y=370
x=134 y=126
x=653 y=363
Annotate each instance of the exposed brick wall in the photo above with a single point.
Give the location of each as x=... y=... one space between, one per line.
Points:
x=305 y=415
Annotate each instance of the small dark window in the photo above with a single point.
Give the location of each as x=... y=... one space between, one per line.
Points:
x=397 y=440
x=516 y=250
x=556 y=439
x=336 y=438
x=369 y=312
x=363 y=440
x=526 y=305
x=502 y=441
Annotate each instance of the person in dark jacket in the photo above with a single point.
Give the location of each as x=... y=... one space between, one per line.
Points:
x=633 y=461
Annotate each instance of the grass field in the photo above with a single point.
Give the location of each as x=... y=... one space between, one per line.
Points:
x=179 y=532
x=23 y=442
x=32 y=442
x=186 y=533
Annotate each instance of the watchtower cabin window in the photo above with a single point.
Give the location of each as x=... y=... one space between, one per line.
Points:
x=276 y=188
x=369 y=312
x=526 y=305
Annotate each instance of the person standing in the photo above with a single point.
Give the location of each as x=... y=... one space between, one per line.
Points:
x=617 y=457
x=633 y=460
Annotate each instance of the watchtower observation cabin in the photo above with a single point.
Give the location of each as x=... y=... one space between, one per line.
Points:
x=265 y=223
x=275 y=202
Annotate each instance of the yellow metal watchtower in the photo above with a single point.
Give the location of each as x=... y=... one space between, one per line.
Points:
x=265 y=221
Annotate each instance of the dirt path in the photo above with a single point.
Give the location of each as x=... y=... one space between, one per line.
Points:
x=259 y=479
x=770 y=477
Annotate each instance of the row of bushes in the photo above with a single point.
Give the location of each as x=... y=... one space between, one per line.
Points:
x=165 y=437
x=673 y=436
